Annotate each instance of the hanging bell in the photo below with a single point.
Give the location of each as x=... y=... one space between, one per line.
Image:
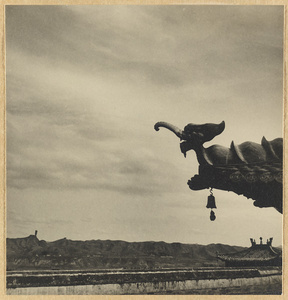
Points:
x=212 y=215
x=211 y=202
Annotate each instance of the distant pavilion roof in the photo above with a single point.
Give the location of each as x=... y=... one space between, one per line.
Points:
x=256 y=253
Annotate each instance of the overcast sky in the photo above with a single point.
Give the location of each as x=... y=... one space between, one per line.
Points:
x=85 y=86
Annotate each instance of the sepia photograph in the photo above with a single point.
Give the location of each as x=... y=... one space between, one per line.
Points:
x=144 y=149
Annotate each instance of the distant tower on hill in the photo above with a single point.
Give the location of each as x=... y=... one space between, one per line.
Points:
x=36 y=233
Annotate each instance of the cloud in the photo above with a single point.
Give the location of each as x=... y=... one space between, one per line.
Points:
x=153 y=44
x=85 y=86
x=45 y=151
x=60 y=137
x=24 y=221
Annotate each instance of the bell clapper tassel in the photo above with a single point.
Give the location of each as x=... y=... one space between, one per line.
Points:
x=211 y=204
x=212 y=215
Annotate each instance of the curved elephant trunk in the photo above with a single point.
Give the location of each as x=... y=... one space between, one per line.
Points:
x=171 y=127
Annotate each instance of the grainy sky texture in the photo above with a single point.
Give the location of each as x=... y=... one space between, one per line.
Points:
x=85 y=86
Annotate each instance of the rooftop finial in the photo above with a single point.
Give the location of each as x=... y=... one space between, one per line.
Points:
x=269 y=242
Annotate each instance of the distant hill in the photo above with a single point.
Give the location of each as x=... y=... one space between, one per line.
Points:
x=29 y=253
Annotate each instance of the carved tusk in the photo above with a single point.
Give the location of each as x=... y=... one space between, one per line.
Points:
x=171 y=127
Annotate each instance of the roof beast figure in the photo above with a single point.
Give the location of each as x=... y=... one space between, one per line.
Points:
x=249 y=169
